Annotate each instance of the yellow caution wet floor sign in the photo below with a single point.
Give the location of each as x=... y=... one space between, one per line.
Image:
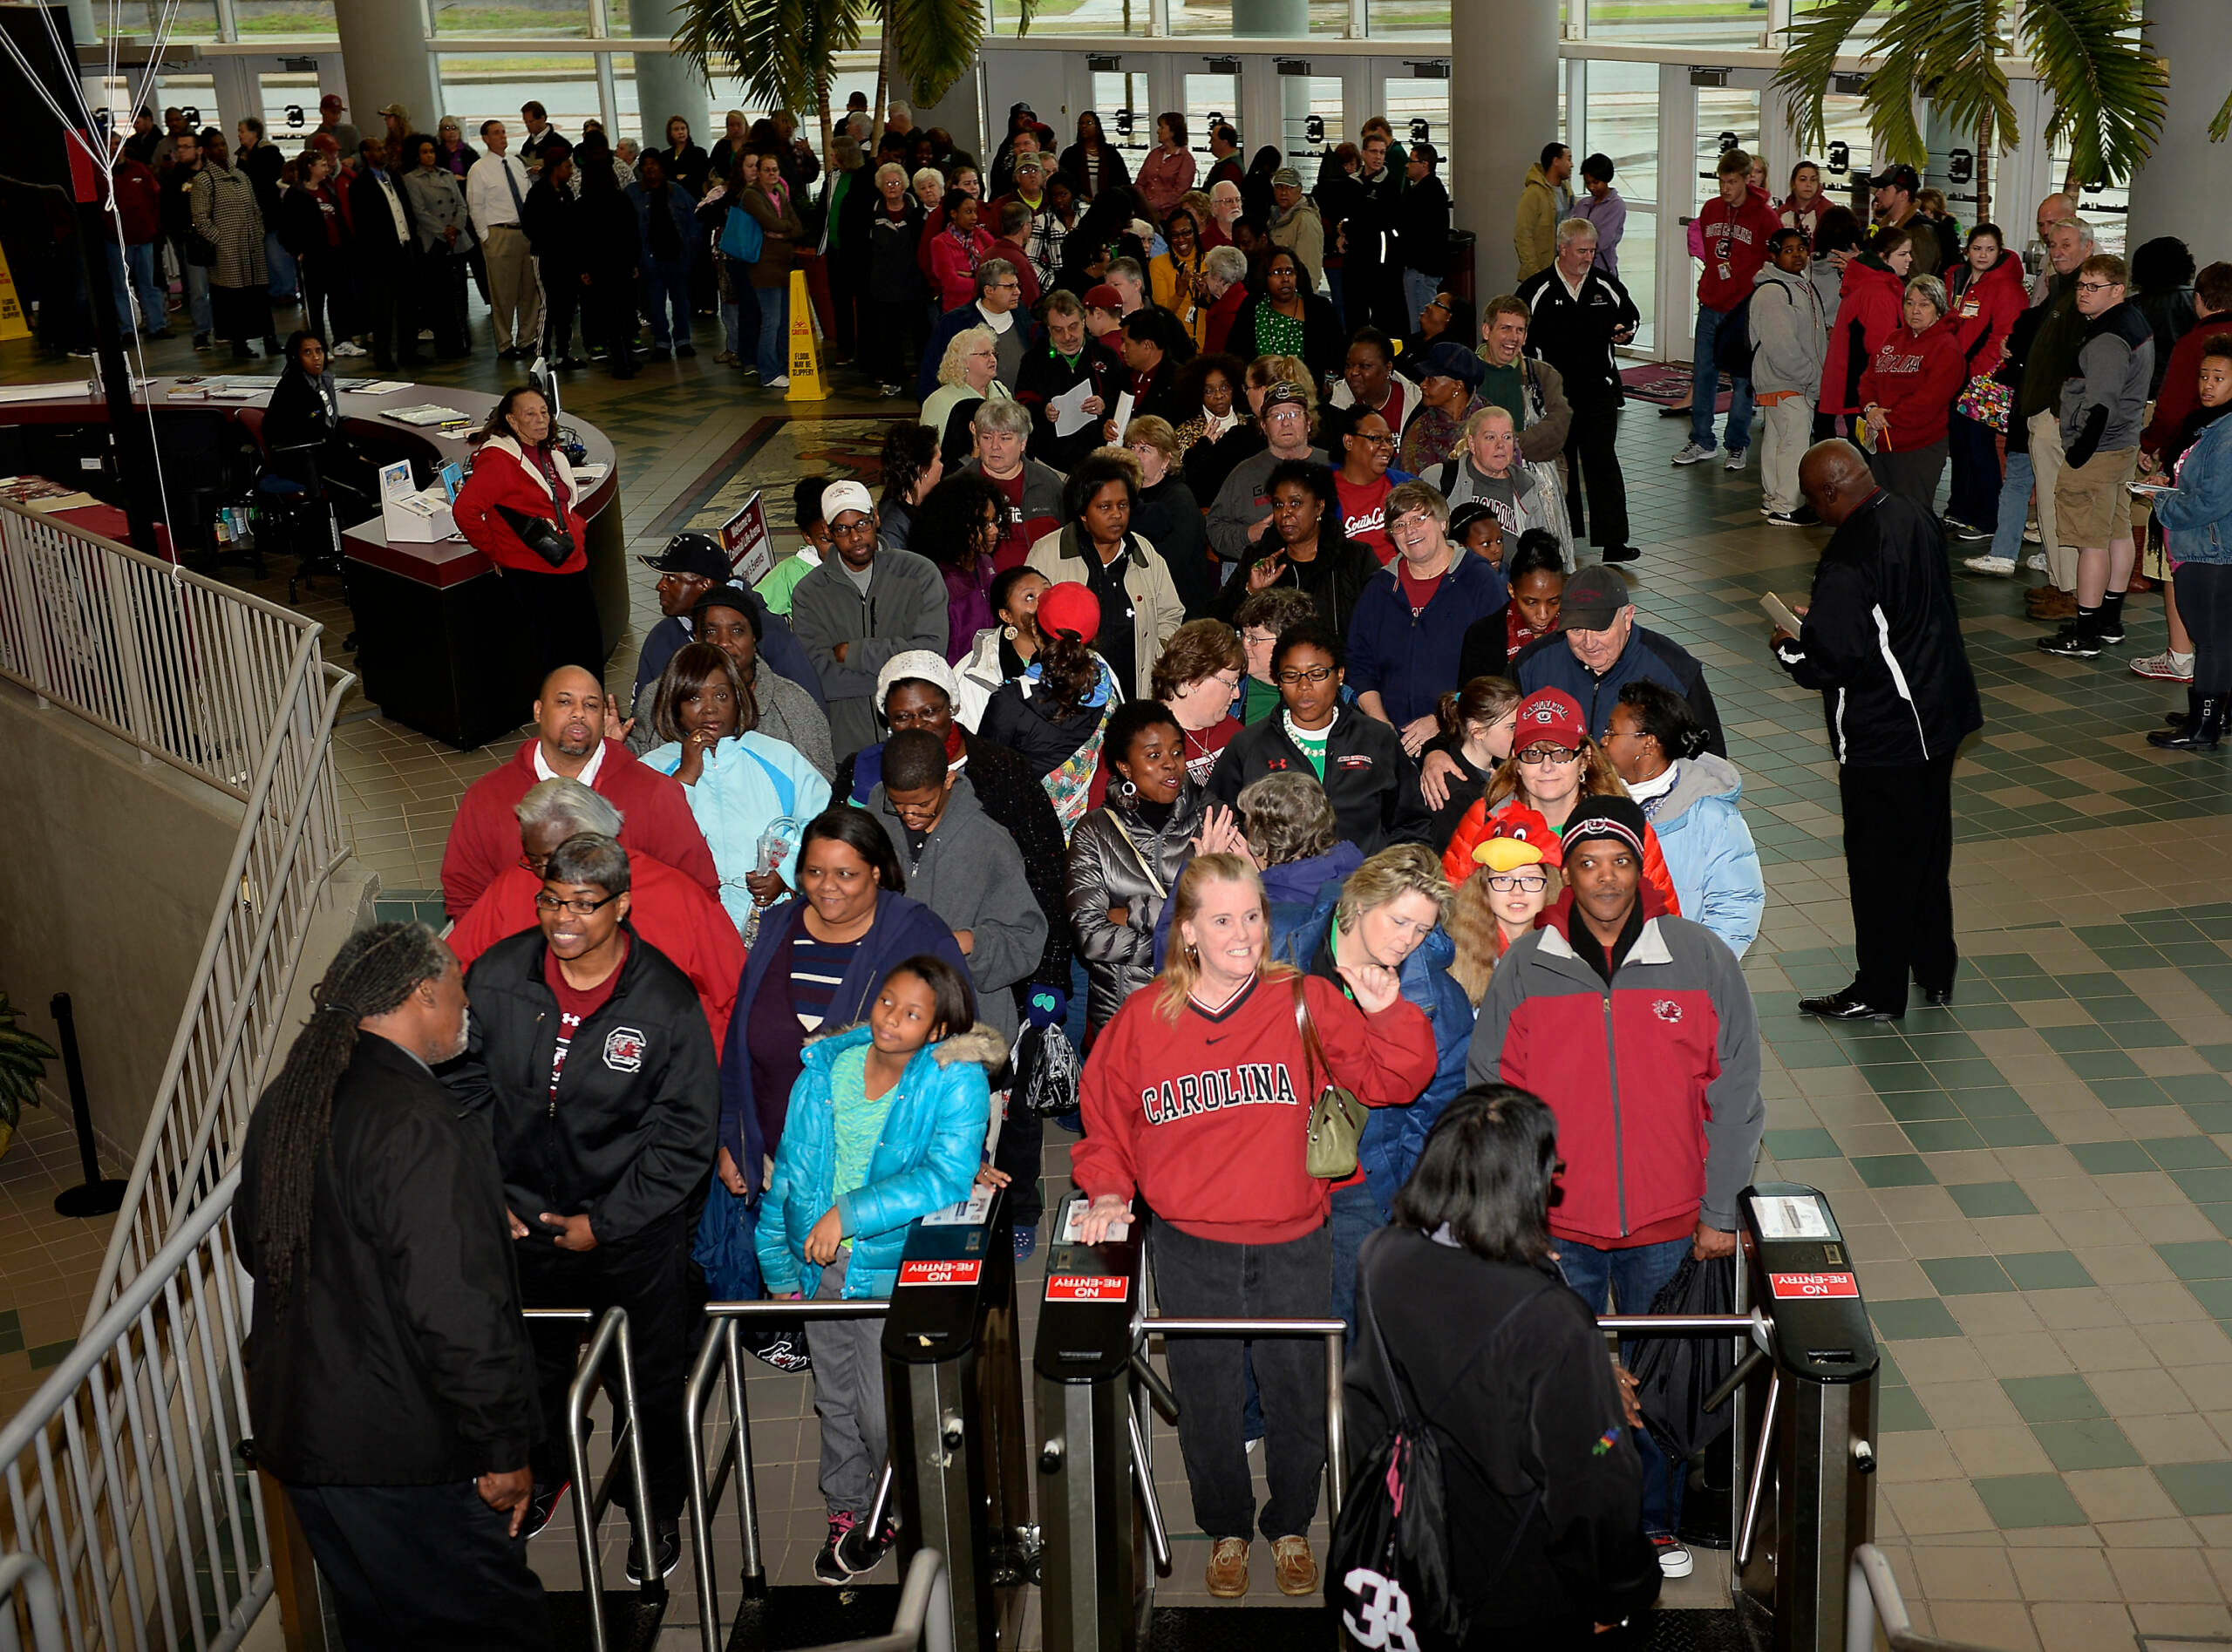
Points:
x=13 y=323
x=805 y=354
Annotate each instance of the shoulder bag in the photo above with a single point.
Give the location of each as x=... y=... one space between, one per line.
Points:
x=1336 y=1117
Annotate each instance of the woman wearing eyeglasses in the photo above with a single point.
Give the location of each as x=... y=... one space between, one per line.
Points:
x=1553 y=765
x=1367 y=476
x=1357 y=759
x=1520 y=875
x=752 y=795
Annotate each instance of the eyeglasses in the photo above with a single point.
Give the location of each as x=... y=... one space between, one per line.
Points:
x=2097 y=286
x=548 y=902
x=1542 y=755
x=1376 y=441
x=1312 y=675
x=1504 y=882
x=1255 y=639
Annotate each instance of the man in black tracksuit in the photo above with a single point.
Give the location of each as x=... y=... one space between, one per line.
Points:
x=1581 y=316
x=591 y=1061
x=1372 y=786
x=1880 y=639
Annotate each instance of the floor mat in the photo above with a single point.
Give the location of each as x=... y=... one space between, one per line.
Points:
x=1668 y=383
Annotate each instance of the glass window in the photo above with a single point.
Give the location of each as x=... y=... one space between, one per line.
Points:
x=477 y=88
x=1621 y=122
x=1721 y=22
x=1303 y=151
x=1214 y=16
x=1728 y=118
x=1075 y=16
x=195 y=94
x=290 y=110
x=1399 y=19
x=285 y=20
x=540 y=18
x=1210 y=98
x=195 y=19
x=1419 y=110
x=1639 y=254
x=1844 y=174
x=1120 y=100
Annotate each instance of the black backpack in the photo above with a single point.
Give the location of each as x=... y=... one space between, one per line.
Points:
x=1733 y=345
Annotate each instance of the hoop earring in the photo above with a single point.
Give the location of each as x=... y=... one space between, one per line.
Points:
x=1127 y=791
x=1009 y=632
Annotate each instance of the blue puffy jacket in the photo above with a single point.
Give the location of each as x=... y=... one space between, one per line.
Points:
x=1393 y=1137
x=927 y=1158
x=1709 y=850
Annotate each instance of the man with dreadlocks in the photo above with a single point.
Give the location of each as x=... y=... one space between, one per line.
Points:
x=590 y=1061
x=390 y=1384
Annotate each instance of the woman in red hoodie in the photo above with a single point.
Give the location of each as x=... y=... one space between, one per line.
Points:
x=1868 y=313
x=1988 y=294
x=1906 y=396
x=520 y=508
x=1197 y=1099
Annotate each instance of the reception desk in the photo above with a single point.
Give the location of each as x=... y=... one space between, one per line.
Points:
x=436 y=648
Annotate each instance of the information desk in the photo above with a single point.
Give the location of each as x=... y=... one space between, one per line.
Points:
x=436 y=648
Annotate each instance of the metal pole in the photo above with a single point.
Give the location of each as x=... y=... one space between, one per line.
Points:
x=95 y=1197
x=640 y=1516
x=701 y=1533
x=1761 y=1466
x=1336 y=1474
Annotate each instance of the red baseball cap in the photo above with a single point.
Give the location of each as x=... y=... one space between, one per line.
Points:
x=1070 y=606
x=1101 y=295
x=1551 y=715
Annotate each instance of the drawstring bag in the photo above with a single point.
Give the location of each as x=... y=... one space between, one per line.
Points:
x=725 y=1251
x=1674 y=1374
x=1046 y=1069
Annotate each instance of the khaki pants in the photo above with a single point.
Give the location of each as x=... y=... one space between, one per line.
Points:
x=1789 y=431
x=2045 y=466
x=515 y=295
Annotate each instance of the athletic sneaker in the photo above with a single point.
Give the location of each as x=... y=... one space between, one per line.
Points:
x=2164 y=668
x=1673 y=1560
x=345 y=348
x=2070 y=644
x=1693 y=454
x=859 y=1554
x=1735 y=458
x=2002 y=566
x=781 y=381
x=2036 y=561
x=542 y=1504
x=1785 y=519
x=2031 y=535
x=670 y=1547
x=826 y=1565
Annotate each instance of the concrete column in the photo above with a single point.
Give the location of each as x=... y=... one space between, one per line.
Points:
x=385 y=57
x=1503 y=107
x=1272 y=19
x=666 y=84
x=2182 y=188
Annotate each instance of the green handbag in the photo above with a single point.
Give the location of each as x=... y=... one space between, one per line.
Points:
x=1336 y=1117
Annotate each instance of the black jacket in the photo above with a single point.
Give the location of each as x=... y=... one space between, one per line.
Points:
x=1022 y=725
x=1421 y=218
x=374 y=224
x=401 y=1358
x=1046 y=374
x=1372 y=786
x=1334 y=578
x=552 y=221
x=1170 y=517
x=629 y=1139
x=1573 y=332
x=301 y=223
x=1507 y=1367
x=1882 y=642
x=1324 y=337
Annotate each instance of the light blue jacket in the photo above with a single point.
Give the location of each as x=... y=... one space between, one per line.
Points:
x=748 y=783
x=927 y=1158
x=2198 y=511
x=1709 y=850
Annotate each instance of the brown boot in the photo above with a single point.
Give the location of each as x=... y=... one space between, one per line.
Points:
x=2059 y=605
x=1296 y=1567
x=1227 y=1570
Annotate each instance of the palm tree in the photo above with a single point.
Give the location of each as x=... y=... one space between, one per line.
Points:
x=786 y=51
x=2109 y=94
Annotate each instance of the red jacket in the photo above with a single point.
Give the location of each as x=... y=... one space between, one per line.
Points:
x=485 y=837
x=1868 y=313
x=1223 y=314
x=1207 y=1120
x=1913 y=377
x=670 y=911
x=1984 y=307
x=139 y=204
x=1736 y=245
x=954 y=266
x=501 y=475
x=1457 y=862
x=2181 y=382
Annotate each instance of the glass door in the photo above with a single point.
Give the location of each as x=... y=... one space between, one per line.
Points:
x=1727 y=117
x=1616 y=114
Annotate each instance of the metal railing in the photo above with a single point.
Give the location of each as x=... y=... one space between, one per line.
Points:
x=23 y=1574
x=124 y=1479
x=233 y=691
x=925 y=1616
x=1334 y=1331
x=1874 y=1594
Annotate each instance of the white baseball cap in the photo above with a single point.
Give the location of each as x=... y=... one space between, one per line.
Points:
x=845 y=496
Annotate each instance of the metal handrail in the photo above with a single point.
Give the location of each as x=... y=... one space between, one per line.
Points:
x=24 y=1572
x=591 y=1500
x=1334 y=1331
x=925 y=1614
x=721 y=1343
x=1871 y=1595
x=121 y=1473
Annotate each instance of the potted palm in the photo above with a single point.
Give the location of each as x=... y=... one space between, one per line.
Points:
x=24 y=1056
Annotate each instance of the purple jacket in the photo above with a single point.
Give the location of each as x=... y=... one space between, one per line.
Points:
x=1610 y=217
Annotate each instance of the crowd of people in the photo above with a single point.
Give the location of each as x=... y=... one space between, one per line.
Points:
x=1210 y=683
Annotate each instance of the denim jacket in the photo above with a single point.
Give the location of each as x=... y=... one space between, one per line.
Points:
x=2197 y=513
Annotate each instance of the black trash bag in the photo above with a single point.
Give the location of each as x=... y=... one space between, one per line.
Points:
x=1674 y=1374
x=1046 y=1070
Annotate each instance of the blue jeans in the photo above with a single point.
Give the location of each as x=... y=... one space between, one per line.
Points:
x=774 y=332
x=285 y=283
x=1419 y=291
x=1705 y=390
x=1355 y=1218
x=1635 y=1276
x=733 y=328
x=1975 y=473
x=2014 y=505
x=139 y=263
x=197 y=299
x=667 y=283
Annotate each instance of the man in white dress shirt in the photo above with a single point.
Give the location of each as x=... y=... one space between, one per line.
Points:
x=495 y=192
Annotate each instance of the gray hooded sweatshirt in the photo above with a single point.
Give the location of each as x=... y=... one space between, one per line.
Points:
x=1790 y=336
x=903 y=608
x=970 y=873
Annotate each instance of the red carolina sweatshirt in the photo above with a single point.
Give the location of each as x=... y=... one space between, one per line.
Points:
x=1915 y=379
x=485 y=837
x=1736 y=245
x=1209 y=1120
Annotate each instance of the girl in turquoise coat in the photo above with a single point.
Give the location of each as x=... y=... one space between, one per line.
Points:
x=886 y=1124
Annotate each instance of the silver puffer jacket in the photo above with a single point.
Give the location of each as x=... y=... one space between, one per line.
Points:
x=1116 y=861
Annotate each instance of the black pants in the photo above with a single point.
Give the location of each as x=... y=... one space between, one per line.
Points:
x=652 y=1277
x=242 y=314
x=324 y=281
x=899 y=334
x=561 y=295
x=1020 y=1155
x=1591 y=461
x=1202 y=1278
x=2205 y=604
x=611 y=299
x=427 y=1566
x=1899 y=861
x=384 y=288
x=441 y=300
x=557 y=622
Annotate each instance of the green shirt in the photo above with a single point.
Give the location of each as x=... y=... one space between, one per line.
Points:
x=1310 y=743
x=859 y=1121
x=1500 y=387
x=775 y=589
x=1257 y=700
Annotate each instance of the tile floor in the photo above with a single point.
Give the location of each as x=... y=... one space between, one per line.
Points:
x=2034 y=1181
